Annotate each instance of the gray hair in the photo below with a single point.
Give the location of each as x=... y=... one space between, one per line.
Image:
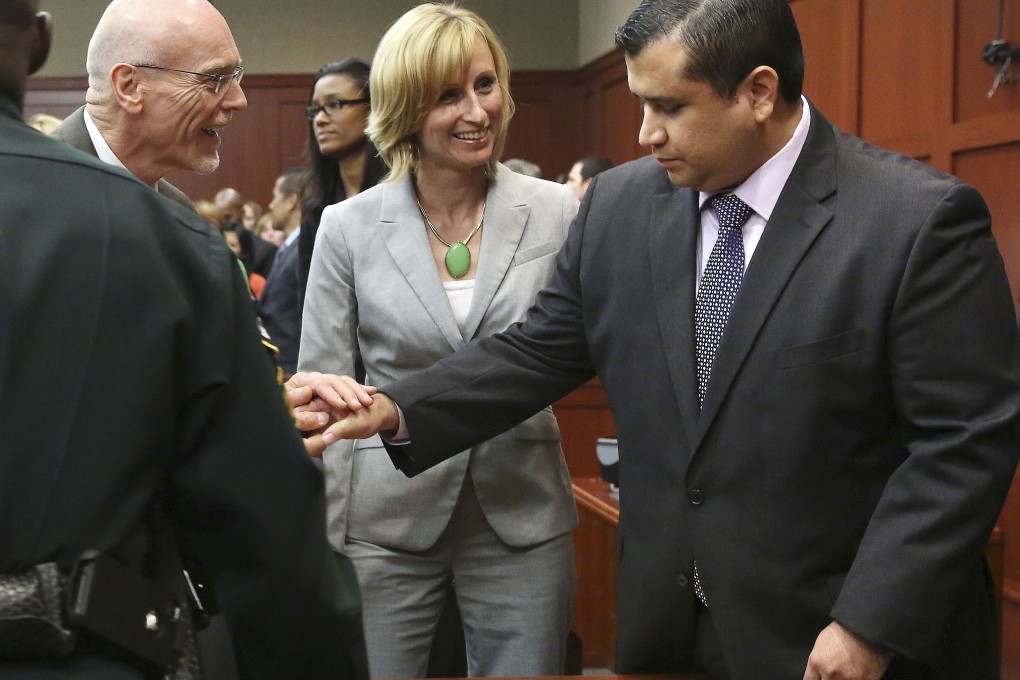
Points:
x=523 y=167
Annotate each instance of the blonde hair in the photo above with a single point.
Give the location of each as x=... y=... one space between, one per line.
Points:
x=422 y=52
x=44 y=122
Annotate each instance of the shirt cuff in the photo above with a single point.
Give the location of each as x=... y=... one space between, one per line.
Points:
x=401 y=437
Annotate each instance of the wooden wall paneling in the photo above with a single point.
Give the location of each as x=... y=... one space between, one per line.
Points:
x=1010 y=633
x=545 y=127
x=611 y=115
x=58 y=97
x=977 y=21
x=831 y=35
x=940 y=149
x=899 y=77
x=992 y=171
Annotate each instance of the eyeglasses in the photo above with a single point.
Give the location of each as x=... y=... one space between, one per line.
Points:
x=220 y=79
x=332 y=107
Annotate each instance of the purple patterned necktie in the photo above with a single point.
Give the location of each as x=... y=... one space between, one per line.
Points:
x=719 y=285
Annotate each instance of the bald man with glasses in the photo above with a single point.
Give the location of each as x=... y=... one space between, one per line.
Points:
x=164 y=81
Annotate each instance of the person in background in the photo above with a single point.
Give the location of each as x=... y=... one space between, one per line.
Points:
x=170 y=431
x=44 y=122
x=259 y=254
x=280 y=302
x=523 y=167
x=265 y=230
x=210 y=213
x=344 y=162
x=451 y=247
x=811 y=353
x=582 y=172
x=251 y=211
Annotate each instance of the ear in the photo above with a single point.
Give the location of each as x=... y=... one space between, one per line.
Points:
x=41 y=42
x=762 y=89
x=127 y=87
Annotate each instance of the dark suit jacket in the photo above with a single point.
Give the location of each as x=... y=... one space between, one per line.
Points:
x=130 y=373
x=280 y=306
x=858 y=436
x=73 y=131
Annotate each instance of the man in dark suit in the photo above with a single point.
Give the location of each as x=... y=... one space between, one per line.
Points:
x=809 y=347
x=150 y=118
x=280 y=305
x=139 y=414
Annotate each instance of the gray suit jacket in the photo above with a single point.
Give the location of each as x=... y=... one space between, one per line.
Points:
x=73 y=131
x=373 y=287
x=859 y=432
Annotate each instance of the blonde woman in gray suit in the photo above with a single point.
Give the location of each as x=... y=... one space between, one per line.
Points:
x=452 y=246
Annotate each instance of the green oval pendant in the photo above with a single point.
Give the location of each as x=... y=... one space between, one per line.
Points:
x=458 y=260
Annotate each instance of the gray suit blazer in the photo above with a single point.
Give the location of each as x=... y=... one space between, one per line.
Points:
x=73 y=131
x=373 y=287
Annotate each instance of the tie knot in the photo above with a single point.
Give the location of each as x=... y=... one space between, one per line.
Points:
x=732 y=212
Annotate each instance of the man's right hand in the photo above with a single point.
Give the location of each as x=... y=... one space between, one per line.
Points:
x=380 y=416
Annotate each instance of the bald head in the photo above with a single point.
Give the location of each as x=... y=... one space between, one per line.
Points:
x=147 y=32
x=230 y=202
x=24 y=44
x=164 y=81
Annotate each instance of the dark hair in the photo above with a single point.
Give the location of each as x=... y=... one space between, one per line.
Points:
x=246 y=241
x=593 y=165
x=325 y=182
x=724 y=40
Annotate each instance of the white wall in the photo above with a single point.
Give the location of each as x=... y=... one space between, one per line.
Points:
x=597 y=24
x=298 y=36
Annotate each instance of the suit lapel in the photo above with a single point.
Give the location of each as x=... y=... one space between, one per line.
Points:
x=407 y=244
x=673 y=238
x=799 y=217
x=507 y=213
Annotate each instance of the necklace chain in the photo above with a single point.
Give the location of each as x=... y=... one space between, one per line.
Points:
x=435 y=232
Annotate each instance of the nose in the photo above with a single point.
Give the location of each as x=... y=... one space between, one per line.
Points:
x=234 y=99
x=651 y=133
x=473 y=110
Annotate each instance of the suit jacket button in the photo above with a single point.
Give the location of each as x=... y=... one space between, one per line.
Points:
x=682 y=580
x=695 y=496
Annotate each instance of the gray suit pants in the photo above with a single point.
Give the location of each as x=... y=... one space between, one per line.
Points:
x=516 y=603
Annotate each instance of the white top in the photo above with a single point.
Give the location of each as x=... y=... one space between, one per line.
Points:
x=460 y=293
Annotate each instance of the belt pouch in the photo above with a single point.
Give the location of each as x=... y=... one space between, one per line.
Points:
x=31 y=621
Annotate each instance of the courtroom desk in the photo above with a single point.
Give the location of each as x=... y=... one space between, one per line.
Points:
x=595 y=556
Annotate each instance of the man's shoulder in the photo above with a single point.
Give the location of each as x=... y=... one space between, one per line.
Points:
x=642 y=172
x=865 y=161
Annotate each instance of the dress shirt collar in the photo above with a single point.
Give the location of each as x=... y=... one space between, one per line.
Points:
x=761 y=190
x=291 y=237
x=103 y=149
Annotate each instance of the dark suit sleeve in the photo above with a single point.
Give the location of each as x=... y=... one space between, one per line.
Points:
x=952 y=347
x=249 y=504
x=501 y=380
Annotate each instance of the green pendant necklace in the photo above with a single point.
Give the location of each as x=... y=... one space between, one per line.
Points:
x=458 y=255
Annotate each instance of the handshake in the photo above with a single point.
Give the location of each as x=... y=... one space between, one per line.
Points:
x=328 y=408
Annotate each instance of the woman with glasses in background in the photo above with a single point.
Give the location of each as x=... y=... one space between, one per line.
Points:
x=344 y=162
